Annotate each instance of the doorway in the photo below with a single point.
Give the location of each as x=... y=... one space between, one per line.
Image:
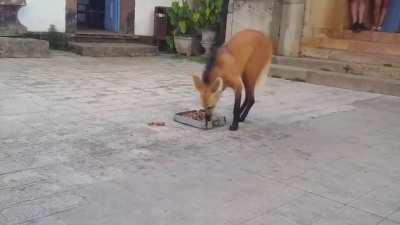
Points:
x=120 y=14
x=98 y=15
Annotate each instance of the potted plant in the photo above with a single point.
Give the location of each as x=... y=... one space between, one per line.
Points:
x=186 y=25
x=210 y=15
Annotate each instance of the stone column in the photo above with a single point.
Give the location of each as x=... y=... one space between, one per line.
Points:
x=9 y=23
x=324 y=18
x=291 y=27
x=262 y=15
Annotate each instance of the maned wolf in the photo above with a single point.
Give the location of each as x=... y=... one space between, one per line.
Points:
x=241 y=63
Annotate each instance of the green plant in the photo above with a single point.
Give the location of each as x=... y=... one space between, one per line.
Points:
x=182 y=18
x=209 y=13
x=56 y=39
x=170 y=43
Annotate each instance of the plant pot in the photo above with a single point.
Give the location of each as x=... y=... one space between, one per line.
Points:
x=208 y=35
x=208 y=40
x=187 y=45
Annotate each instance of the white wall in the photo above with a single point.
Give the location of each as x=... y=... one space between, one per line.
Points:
x=37 y=15
x=144 y=15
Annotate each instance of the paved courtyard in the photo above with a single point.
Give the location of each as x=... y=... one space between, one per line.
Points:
x=76 y=149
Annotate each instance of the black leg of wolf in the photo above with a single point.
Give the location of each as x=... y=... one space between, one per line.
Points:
x=247 y=93
x=244 y=105
x=236 y=110
x=249 y=102
x=244 y=114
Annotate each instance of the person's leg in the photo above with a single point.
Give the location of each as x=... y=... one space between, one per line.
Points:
x=377 y=13
x=384 y=8
x=354 y=10
x=354 y=15
x=361 y=10
x=361 y=14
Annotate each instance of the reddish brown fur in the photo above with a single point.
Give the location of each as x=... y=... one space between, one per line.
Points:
x=243 y=58
x=239 y=63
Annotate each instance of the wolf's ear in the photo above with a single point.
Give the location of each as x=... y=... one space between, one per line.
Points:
x=217 y=85
x=198 y=83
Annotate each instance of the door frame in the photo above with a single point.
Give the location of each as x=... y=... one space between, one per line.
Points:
x=127 y=16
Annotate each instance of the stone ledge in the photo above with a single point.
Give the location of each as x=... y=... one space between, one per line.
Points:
x=23 y=48
x=377 y=71
x=13 y=2
x=339 y=80
x=113 y=49
x=351 y=56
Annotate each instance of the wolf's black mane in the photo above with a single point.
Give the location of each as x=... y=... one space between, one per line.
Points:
x=211 y=62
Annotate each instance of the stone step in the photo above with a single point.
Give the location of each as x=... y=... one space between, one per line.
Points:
x=341 y=67
x=372 y=36
x=113 y=49
x=23 y=48
x=335 y=79
x=361 y=46
x=104 y=38
x=352 y=57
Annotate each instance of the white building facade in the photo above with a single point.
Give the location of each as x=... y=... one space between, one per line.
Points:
x=135 y=16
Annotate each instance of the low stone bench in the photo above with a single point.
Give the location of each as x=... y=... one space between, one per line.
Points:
x=11 y=44
x=23 y=48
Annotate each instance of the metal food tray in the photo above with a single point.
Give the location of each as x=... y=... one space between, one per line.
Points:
x=216 y=121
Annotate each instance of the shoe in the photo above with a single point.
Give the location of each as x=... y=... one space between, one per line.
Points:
x=355 y=27
x=362 y=27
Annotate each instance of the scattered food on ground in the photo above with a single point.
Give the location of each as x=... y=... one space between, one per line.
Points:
x=157 y=124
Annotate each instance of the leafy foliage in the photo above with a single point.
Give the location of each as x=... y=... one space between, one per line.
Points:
x=170 y=43
x=56 y=39
x=209 y=13
x=183 y=19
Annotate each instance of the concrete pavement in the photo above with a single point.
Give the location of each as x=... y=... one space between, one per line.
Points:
x=75 y=149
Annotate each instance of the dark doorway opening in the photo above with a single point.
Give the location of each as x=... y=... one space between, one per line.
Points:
x=100 y=16
x=91 y=14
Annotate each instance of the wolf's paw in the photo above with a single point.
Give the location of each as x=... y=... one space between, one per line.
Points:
x=234 y=127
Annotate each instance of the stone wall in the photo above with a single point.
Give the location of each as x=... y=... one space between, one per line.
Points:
x=282 y=20
x=291 y=23
x=262 y=15
x=324 y=18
